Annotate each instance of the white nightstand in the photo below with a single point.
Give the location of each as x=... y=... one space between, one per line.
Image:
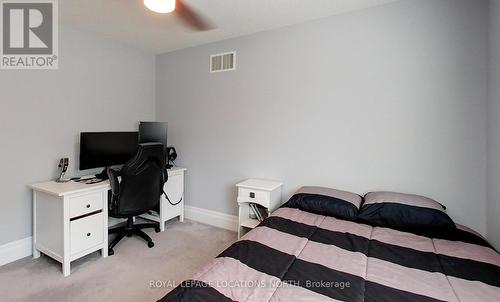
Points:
x=266 y=193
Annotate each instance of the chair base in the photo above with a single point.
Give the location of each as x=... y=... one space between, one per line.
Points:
x=131 y=229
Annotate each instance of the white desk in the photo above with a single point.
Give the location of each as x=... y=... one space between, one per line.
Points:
x=70 y=220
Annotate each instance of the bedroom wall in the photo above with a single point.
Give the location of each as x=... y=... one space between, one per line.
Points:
x=493 y=226
x=99 y=86
x=389 y=98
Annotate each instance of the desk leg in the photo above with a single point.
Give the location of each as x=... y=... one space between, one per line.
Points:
x=66 y=268
x=181 y=217
x=104 y=250
x=36 y=253
x=162 y=219
x=162 y=214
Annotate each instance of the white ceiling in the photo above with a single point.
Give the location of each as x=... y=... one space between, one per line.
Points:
x=130 y=22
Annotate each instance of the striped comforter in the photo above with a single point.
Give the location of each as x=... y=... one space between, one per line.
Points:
x=300 y=256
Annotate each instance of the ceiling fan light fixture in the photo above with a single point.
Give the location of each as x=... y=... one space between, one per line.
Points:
x=160 y=6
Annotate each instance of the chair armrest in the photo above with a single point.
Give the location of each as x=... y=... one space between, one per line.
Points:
x=114 y=182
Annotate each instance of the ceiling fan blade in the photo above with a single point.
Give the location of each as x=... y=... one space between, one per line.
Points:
x=192 y=18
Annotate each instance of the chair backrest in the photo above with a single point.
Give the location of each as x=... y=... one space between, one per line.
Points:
x=142 y=180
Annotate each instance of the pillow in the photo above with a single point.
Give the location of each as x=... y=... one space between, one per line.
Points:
x=406 y=212
x=466 y=234
x=326 y=201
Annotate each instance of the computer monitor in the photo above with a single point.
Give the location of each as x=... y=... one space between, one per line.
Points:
x=106 y=149
x=153 y=132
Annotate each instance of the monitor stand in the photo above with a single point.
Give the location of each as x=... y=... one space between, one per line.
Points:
x=103 y=175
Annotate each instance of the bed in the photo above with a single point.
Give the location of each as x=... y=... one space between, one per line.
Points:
x=298 y=255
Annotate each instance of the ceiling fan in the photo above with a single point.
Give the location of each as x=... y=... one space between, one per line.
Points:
x=193 y=19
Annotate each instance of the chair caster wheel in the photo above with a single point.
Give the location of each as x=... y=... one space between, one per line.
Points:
x=157 y=230
x=151 y=244
x=111 y=252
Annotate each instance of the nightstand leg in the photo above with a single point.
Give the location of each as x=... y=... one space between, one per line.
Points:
x=181 y=218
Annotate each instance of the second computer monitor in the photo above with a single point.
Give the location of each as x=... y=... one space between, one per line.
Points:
x=153 y=132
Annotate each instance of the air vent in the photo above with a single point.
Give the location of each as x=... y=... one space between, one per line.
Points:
x=223 y=62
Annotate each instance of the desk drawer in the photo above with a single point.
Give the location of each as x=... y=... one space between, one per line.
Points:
x=248 y=195
x=85 y=204
x=86 y=232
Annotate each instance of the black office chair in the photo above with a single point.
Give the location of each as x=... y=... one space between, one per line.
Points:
x=138 y=192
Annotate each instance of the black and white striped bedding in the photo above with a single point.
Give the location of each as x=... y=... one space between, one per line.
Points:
x=296 y=255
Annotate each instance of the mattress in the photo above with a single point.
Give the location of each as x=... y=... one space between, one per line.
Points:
x=299 y=256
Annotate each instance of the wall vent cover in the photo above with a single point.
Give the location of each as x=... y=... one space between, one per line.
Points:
x=223 y=62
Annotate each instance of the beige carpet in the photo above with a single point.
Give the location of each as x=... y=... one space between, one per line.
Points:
x=126 y=276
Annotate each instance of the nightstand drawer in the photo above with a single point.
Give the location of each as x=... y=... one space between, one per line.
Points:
x=257 y=196
x=86 y=232
x=85 y=204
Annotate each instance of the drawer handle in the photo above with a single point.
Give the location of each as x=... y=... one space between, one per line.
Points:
x=88 y=234
x=252 y=195
x=88 y=206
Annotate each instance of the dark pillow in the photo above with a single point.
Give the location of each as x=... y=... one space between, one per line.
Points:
x=325 y=201
x=406 y=212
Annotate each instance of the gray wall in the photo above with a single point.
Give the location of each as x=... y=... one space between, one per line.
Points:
x=493 y=227
x=99 y=86
x=390 y=98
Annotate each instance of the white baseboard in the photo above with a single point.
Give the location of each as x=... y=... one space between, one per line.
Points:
x=15 y=250
x=217 y=219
